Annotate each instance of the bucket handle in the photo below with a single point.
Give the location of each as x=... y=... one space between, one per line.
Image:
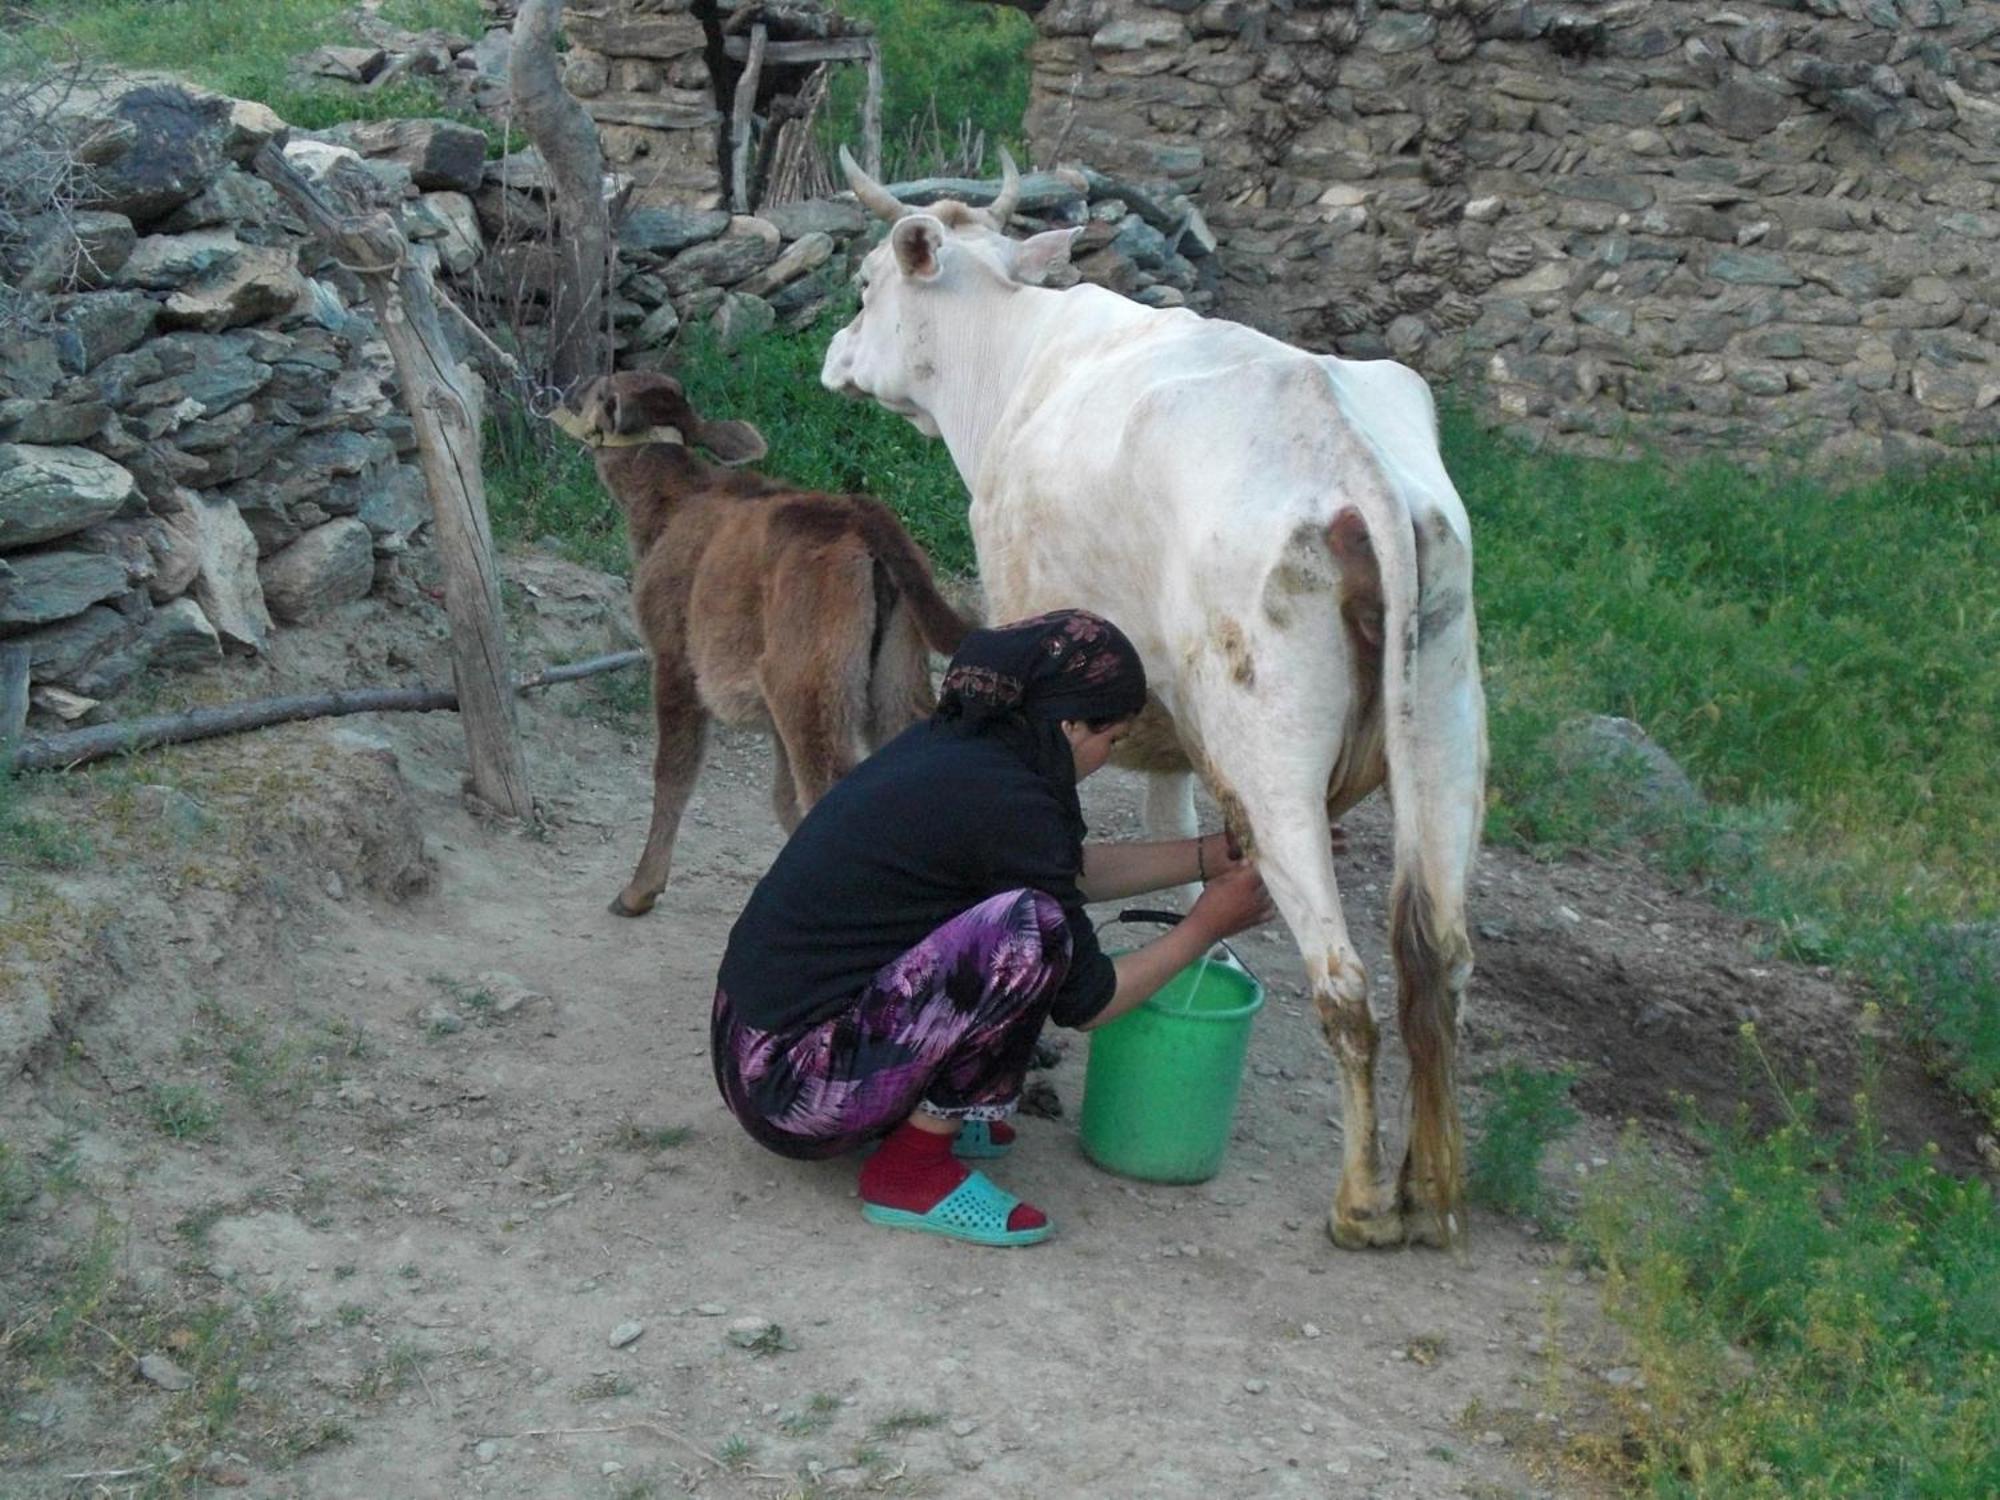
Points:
x=1161 y=918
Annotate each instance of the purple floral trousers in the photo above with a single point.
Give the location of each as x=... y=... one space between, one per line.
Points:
x=948 y=1028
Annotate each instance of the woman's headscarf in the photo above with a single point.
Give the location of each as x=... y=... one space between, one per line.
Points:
x=1018 y=682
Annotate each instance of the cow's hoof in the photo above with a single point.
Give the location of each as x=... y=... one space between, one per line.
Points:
x=1427 y=1226
x=1353 y=1232
x=625 y=904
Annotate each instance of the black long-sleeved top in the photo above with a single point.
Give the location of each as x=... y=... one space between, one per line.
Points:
x=929 y=825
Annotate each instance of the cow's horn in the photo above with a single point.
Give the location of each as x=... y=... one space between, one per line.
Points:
x=877 y=199
x=1010 y=192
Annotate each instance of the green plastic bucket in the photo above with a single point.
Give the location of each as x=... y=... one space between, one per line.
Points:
x=1159 y=1091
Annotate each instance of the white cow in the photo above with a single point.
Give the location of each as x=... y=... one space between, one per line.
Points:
x=1276 y=532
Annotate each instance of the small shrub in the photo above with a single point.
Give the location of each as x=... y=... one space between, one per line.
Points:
x=182 y=1111
x=1819 y=1317
x=906 y=1419
x=1526 y=1110
x=631 y=1135
x=18 y=1187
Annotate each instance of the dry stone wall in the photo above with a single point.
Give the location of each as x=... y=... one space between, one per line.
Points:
x=198 y=435
x=1760 y=228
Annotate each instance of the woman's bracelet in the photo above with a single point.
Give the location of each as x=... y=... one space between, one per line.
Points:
x=1200 y=859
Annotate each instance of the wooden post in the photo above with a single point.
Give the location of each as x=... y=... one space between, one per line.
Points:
x=14 y=660
x=871 y=114
x=741 y=118
x=579 y=333
x=443 y=405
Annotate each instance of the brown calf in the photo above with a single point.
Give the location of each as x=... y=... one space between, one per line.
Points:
x=764 y=606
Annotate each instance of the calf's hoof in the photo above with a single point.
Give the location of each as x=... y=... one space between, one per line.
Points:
x=626 y=904
x=1365 y=1232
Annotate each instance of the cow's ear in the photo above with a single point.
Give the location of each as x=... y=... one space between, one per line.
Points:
x=731 y=443
x=917 y=241
x=1040 y=254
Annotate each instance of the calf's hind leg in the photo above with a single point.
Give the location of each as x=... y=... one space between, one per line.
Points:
x=682 y=729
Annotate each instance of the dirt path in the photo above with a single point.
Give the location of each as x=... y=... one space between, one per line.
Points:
x=461 y=1138
x=1170 y=1342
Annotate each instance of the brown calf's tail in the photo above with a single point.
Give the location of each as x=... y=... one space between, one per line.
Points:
x=941 y=626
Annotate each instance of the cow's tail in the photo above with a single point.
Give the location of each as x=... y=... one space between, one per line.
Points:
x=941 y=626
x=1434 y=724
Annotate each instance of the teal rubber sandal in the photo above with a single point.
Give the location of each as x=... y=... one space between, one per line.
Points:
x=975 y=1211
x=974 y=1142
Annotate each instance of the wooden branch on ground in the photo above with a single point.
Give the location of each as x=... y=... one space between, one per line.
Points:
x=443 y=403
x=77 y=747
x=563 y=131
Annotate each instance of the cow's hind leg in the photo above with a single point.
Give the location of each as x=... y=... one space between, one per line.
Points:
x=682 y=729
x=1287 y=833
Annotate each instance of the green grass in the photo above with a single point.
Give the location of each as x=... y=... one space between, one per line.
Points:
x=943 y=62
x=1822 y=1320
x=630 y=1134
x=1526 y=1111
x=244 y=48
x=31 y=838
x=827 y=442
x=906 y=1419
x=540 y=485
x=182 y=1111
x=1826 y=664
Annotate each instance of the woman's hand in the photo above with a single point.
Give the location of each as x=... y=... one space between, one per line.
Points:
x=1232 y=903
x=1217 y=854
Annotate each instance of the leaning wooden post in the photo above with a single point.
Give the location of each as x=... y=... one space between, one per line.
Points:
x=742 y=115
x=871 y=113
x=444 y=408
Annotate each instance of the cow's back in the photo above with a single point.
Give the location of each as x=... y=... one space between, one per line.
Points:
x=1152 y=461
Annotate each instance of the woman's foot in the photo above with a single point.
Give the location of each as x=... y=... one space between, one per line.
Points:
x=982 y=1140
x=914 y=1171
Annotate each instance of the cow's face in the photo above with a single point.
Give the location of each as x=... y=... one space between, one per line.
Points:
x=930 y=294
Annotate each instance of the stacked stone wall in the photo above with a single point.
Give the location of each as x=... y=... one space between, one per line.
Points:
x=1761 y=228
x=198 y=430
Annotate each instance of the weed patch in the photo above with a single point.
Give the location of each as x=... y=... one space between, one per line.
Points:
x=244 y=48
x=30 y=839
x=1526 y=1111
x=632 y=1135
x=905 y=1420
x=1819 y=1318
x=182 y=1111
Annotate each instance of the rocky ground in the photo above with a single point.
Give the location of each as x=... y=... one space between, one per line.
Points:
x=370 y=1156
